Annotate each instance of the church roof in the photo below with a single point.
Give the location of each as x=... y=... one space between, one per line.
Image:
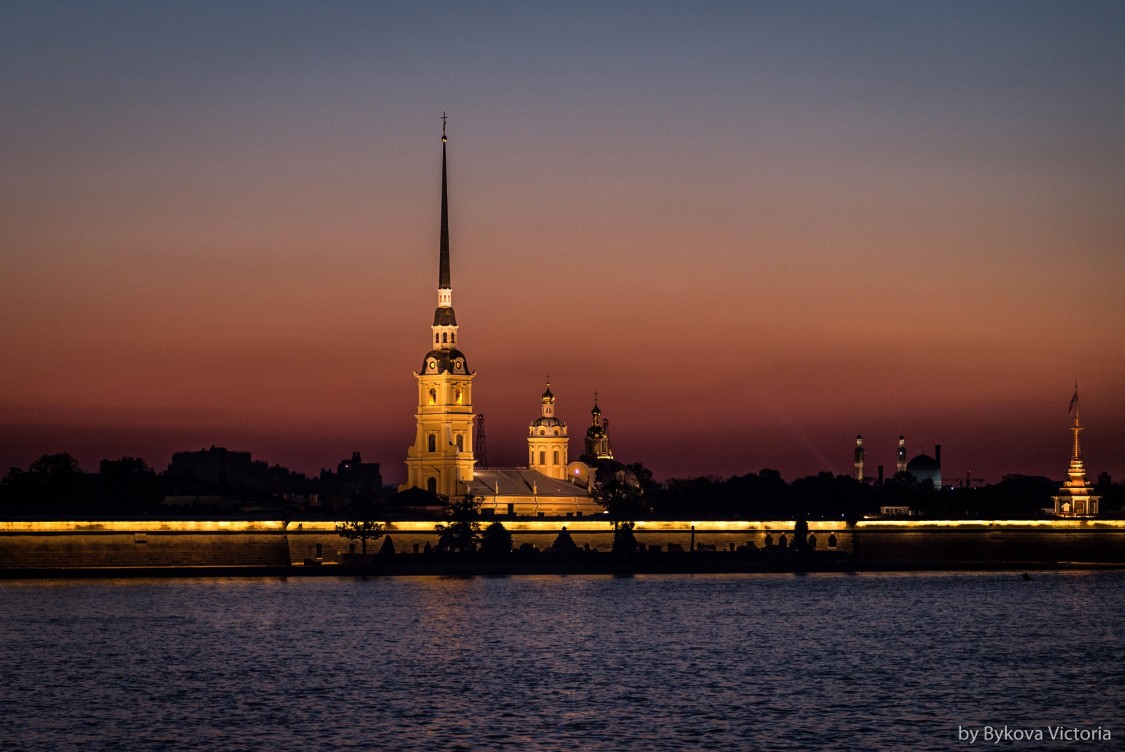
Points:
x=521 y=482
x=547 y=422
x=444 y=316
x=445 y=360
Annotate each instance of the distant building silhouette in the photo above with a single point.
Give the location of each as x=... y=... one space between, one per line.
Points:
x=859 y=457
x=924 y=467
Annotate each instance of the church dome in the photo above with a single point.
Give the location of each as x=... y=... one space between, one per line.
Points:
x=545 y=422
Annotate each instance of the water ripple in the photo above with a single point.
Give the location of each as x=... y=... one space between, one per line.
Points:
x=883 y=661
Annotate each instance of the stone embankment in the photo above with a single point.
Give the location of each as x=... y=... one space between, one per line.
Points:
x=314 y=547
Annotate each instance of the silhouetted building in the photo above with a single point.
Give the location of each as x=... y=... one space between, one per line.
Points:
x=859 y=457
x=924 y=467
x=225 y=470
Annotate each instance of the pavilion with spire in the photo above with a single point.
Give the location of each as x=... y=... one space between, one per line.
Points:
x=1076 y=497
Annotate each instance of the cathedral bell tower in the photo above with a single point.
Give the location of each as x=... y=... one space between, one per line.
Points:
x=441 y=458
x=547 y=440
x=597 y=436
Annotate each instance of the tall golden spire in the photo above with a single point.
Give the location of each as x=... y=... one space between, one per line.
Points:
x=1074 y=408
x=443 y=250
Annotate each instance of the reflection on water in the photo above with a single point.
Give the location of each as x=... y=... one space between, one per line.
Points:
x=870 y=661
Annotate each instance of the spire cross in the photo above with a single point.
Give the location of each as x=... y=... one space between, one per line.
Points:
x=443 y=119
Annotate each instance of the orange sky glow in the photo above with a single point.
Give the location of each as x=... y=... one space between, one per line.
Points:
x=756 y=230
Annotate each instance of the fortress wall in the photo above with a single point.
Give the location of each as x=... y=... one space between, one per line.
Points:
x=146 y=545
x=985 y=545
x=275 y=543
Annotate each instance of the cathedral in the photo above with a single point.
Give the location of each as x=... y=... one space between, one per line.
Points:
x=441 y=459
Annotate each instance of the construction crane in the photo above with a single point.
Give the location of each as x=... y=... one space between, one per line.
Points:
x=969 y=480
x=481 y=446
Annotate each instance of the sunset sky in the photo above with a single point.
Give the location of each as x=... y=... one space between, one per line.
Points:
x=757 y=229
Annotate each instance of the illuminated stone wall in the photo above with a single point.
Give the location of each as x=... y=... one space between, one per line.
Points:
x=115 y=544
x=274 y=543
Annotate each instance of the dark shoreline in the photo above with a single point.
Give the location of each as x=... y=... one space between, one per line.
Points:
x=453 y=568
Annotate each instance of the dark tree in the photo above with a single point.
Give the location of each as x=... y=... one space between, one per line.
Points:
x=460 y=533
x=359 y=523
x=624 y=542
x=801 y=534
x=564 y=544
x=496 y=541
x=622 y=501
x=53 y=485
x=51 y=466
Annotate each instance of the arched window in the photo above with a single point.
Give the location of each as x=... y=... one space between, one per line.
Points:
x=432 y=442
x=812 y=541
x=783 y=542
x=436 y=338
x=555 y=457
x=769 y=540
x=453 y=337
x=431 y=485
x=832 y=541
x=460 y=443
x=444 y=337
x=542 y=458
x=458 y=397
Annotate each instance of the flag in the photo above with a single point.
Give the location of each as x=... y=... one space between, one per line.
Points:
x=1073 y=401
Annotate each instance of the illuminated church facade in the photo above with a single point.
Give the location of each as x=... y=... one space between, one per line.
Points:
x=441 y=459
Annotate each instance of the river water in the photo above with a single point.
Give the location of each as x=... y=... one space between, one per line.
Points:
x=823 y=661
